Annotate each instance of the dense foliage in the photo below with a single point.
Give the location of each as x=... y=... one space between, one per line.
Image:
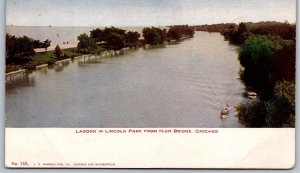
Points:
x=252 y=114
x=221 y=27
x=86 y=44
x=132 y=39
x=264 y=63
x=284 y=30
x=20 y=50
x=154 y=35
x=97 y=34
x=244 y=30
x=239 y=33
x=269 y=69
x=58 y=52
x=276 y=112
x=46 y=44
x=178 y=31
x=115 y=38
x=38 y=44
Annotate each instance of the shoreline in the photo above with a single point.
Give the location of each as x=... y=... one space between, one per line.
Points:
x=52 y=48
x=10 y=76
x=104 y=54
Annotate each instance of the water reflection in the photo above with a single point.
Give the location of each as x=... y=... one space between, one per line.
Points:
x=60 y=65
x=91 y=59
x=43 y=71
x=25 y=81
x=147 y=46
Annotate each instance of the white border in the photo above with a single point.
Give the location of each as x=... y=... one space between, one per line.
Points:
x=2 y=35
x=266 y=148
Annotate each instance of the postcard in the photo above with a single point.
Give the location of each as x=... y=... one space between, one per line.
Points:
x=150 y=84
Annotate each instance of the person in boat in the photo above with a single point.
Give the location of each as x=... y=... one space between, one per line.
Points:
x=225 y=110
x=226 y=107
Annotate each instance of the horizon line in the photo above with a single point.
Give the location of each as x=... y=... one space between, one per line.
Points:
x=144 y=25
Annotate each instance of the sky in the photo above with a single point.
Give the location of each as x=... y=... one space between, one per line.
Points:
x=145 y=12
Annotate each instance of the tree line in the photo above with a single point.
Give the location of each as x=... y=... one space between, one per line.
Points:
x=238 y=34
x=109 y=38
x=269 y=69
x=221 y=27
x=20 y=50
x=156 y=35
x=268 y=59
x=115 y=38
x=232 y=31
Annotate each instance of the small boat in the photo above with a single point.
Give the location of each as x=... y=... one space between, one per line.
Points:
x=250 y=94
x=224 y=112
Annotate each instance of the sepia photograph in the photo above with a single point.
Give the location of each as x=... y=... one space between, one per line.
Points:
x=178 y=66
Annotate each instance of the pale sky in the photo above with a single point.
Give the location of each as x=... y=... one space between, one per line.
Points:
x=145 y=12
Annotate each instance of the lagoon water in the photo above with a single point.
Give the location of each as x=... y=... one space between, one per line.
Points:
x=180 y=85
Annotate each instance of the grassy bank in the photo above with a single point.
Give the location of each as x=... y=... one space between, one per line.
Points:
x=44 y=57
x=49 y=58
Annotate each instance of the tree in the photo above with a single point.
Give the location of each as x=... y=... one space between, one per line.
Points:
x=276 y=112
x=284 y=30
x=257 y=58
x=114 y=30
x=178 y=31
x=154 y=35
x=284 y=62
x=242 y=28
x=132 y=39
x=268 y=63
x=98 y=35
x=115 y=41
x=10 y=51
x=19 y=49
x=255 y=49
x=286 y=90
x=228 y=32
x=238 y=35
x=252 y=114
x=163 y=35
x=242 y=33
x=86 y=43
x=58 y=52
x=37 y=44
x=150 y=36
x=174 y=33
x=46 y=44
x=113 y=37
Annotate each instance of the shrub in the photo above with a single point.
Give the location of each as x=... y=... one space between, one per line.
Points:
x=58 y=52
x=51 y=62
x=252 y=114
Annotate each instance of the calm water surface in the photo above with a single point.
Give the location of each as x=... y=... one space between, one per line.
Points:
x=181 y=85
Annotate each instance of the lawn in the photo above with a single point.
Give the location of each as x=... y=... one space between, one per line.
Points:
x=44 y=57
x=48 y=58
